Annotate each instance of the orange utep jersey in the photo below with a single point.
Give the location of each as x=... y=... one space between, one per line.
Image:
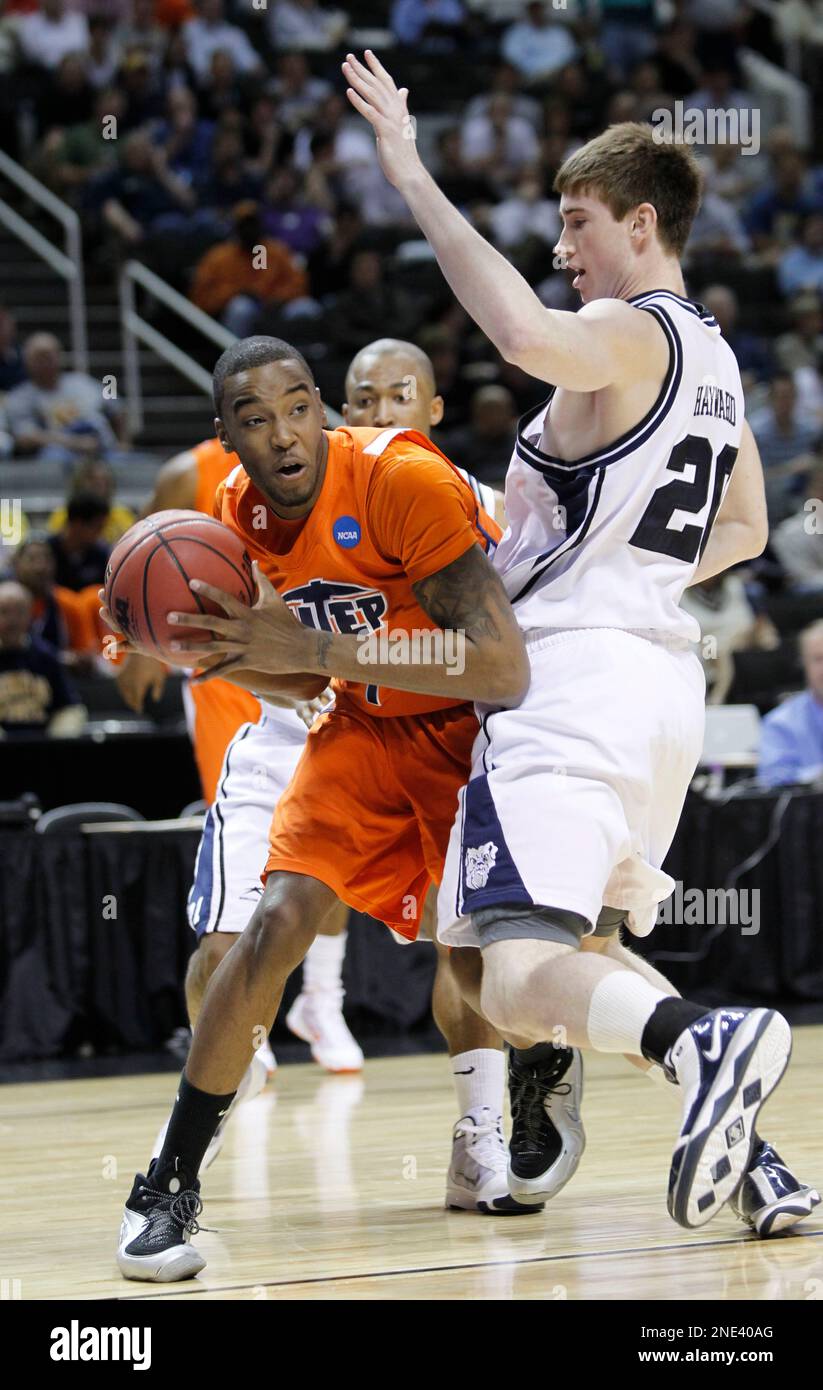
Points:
x=392 y=510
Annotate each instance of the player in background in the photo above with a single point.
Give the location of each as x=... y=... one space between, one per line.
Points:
x=611 y=496
x=364 y=542
x=215 y=711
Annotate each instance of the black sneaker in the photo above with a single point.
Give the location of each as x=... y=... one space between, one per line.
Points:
x=155 y=1232
x=548 y=1138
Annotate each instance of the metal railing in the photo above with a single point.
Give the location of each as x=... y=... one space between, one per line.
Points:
x=134 y=329
x=68 y=264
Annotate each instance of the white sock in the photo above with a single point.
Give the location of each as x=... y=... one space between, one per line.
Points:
x=323 y=966
x=479 y=1079
x=619 y=1009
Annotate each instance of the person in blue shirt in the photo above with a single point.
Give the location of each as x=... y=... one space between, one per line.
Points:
x=791 y=746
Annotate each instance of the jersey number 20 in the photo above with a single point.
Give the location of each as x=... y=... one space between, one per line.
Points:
x=654 y=530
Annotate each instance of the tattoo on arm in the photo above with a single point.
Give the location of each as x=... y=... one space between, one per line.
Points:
x=468 y=596
x=324 y=640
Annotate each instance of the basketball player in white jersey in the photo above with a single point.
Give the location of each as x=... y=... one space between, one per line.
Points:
x=388 y=384
x=636 y=477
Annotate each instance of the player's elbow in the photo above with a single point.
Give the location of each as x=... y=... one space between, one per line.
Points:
x=506 y=678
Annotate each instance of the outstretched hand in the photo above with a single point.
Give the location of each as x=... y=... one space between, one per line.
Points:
x=372 y=91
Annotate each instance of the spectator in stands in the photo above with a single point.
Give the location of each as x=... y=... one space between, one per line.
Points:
x=69 y=158
x=787 y=439
x=290 y=217
x=80 y=554
x=753 y=353
x=506 y=79
x=484 y=446
x=305 y=26
x=626 y=32
x=97 y=476
x=775 y=212
x=728 y=175
x=525 y=215
x=717 y=232
x=143 y=195
x=210 y=33
x=676 y=59
x=329 y=266
x=61 y=617
x=370 y=303
x=499 y=145
x=232 y=179
x=52 y=31
x=185 y=140
x=801 y=267
x=537 y=46
x=12 y=369
x=430 y=26
x=461 y=185
x=142 y=88
x=104 y=51
x=798 y=541
x=298 y=93
x=791 y=745
x=57 y=415
x=718 y=91
x=802 y=346
x=142 y=31
x=728 y=624
x=236 y=278
x=68 y=97
x=35 y=694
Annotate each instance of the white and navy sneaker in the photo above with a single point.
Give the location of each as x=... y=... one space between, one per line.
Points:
x=770 y=1198
x=548 y=1137
x=477 y=1178
x=317 y=1019
x=727 y=1063
x=254 y=1079
x=155 y=1233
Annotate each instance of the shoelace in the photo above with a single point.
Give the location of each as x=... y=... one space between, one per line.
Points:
x=486 y=1141
x=183 y=1207
x=528 y=1106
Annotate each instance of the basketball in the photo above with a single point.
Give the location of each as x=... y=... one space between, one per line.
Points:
x=148 y=575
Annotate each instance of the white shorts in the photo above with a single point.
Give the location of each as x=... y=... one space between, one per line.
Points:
x=574 y=797
x=234 y=846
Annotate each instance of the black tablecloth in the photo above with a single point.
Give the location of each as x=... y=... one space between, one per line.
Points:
x=94 y=939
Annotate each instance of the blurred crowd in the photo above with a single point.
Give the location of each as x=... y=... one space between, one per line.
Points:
x=194 y=133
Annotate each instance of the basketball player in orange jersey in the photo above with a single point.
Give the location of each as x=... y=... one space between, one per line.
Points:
x=364 y=535
x=215 y=711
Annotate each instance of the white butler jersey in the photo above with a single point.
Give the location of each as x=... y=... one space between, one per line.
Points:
x=612 y=539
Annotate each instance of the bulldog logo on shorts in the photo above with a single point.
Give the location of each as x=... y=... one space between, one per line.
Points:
x=479 y=864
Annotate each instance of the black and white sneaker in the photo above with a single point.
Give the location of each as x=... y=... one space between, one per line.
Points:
x=155 y=1233
x=548 y=1138
x=770 y=1198
x=728 y=1063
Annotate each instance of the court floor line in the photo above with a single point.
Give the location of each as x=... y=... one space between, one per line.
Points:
x=446 y=1269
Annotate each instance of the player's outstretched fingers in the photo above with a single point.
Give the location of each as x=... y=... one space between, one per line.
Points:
x=228 y=602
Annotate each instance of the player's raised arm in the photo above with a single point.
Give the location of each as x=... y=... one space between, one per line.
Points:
x=586 y=351
x=741 y=527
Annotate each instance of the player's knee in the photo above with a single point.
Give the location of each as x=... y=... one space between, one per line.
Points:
x=280 y=930
x=204 y=961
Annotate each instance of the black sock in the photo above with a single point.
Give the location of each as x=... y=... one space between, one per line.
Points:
x=540 y=1052
x=669 y=1020
x=194 y=1119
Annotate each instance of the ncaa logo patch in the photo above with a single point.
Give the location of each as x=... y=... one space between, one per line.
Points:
x=346 y=531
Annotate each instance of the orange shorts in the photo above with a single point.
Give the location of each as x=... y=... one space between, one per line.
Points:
x=370 y=808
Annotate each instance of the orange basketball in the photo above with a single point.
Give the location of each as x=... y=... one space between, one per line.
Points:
x=148 y=573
